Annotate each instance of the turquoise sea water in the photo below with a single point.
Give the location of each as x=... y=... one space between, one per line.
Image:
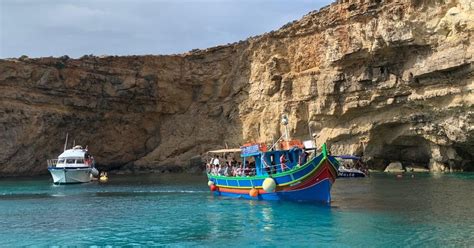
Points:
x=429 y=210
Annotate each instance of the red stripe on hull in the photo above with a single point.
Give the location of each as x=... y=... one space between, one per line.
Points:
x=319 y=175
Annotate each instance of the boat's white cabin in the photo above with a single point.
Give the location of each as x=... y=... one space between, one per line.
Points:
x=74 y=157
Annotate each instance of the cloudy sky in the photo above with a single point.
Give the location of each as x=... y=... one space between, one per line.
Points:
x=38 y=28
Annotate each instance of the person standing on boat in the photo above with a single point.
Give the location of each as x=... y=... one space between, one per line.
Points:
x=216 y=161
x=87 y=157
x=267 y=167
x=215 y=165
x=282 y=162
x=234 y=162
x=303 y=158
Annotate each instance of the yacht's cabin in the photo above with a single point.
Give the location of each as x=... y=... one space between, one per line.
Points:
x=75 y=157
x=71 y=162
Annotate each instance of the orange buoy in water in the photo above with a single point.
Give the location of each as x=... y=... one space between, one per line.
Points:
x=213 y=187
x=253 y=192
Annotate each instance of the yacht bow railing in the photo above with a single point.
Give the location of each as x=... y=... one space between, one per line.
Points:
x=52 y=162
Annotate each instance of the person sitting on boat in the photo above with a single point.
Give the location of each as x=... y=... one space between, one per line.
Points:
x=240 y=171
x=237 y=171
x=283 y=162
x=227 y=170
x=246 y=171
x=222 y=170
x=250 y=169
x=209 y=166
x=215 y=170
x=229 y=161
x=234 y=163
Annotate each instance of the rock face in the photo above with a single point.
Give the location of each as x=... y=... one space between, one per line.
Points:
x=390 y=80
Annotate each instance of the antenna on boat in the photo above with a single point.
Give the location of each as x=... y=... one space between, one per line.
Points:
x=73 y=143
x=309 y=127
x=284 y=122
x=65 y=143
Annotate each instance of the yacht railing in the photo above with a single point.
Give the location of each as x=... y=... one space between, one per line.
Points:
x=52 y=162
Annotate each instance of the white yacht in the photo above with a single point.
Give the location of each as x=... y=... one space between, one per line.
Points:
x=357 y=167
x=74 y=165
x=350 y=172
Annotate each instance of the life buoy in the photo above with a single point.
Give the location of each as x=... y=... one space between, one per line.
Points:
x=269 y=185
x=253 y=192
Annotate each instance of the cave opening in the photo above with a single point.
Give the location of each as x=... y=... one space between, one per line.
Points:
x=412 y=151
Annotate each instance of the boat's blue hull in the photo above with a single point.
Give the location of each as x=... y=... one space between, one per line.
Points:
x=319 y=192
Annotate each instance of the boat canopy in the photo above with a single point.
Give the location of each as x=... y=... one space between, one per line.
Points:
x=73 y=153
x=226 y=150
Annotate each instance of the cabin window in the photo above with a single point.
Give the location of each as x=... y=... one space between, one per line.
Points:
x=61 y=161
x=79 y=161
x=70 y=161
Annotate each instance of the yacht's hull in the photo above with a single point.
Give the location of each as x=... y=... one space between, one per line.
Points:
x=350 y=174
x=70 y=175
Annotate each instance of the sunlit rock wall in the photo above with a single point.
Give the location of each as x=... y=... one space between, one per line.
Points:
x=390 y=80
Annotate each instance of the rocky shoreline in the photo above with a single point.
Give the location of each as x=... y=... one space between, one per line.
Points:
x=390 y=81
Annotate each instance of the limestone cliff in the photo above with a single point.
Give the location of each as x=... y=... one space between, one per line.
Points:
x=392 y=80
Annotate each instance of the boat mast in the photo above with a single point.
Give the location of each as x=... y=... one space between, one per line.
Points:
x=65 y=143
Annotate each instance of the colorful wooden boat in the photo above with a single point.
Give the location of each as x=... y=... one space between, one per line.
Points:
x=310 y=181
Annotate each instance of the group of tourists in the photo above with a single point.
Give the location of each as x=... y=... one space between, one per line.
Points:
x=229 y=167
